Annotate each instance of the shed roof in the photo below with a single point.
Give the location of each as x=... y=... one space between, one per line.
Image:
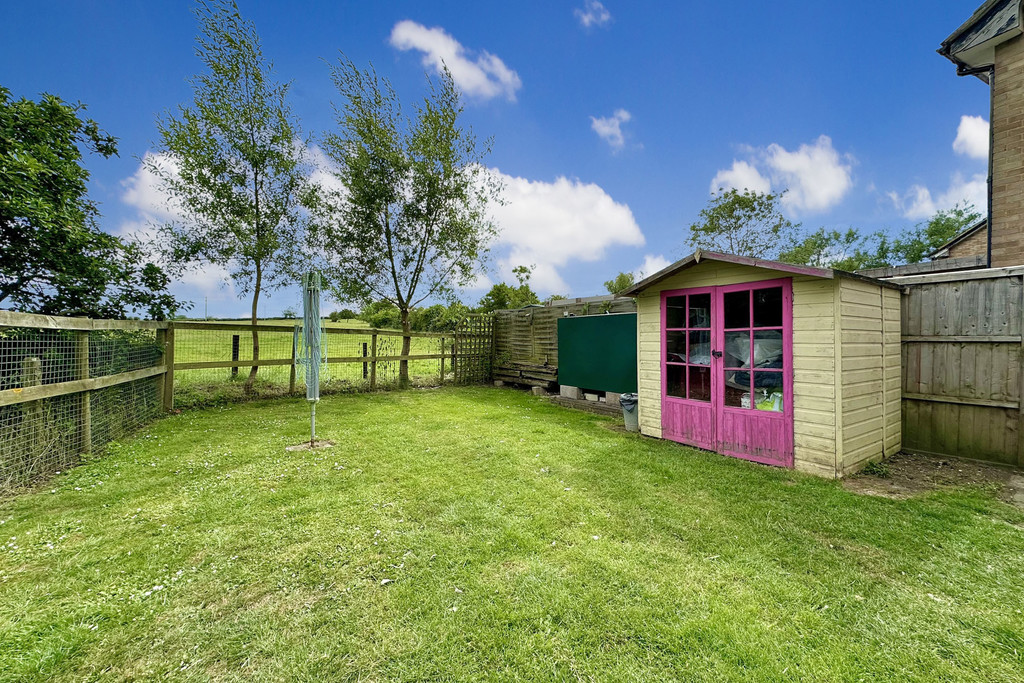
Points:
x=700 y=256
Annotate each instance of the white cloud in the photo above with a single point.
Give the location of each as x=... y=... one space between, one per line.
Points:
x=211 y=280
x=142 y=190
x=742 y=176
x=972 y=137
x=918 y=202
x=815 y=176
x=322 y=172
x=480 y=283
x=651 y=265
x=550 y=224
x=593 y=13
x=609 y=128
x=485 y=77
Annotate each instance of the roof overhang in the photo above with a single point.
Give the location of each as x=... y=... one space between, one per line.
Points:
x=972 y=47
x=702 y=256
x=943 y=250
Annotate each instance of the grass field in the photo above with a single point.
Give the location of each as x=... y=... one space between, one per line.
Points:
x=466 y=534
x=206 y=386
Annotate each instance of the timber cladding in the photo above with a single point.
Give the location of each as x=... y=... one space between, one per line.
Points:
x=526 y=339
x=846 y=363
x=962 y=368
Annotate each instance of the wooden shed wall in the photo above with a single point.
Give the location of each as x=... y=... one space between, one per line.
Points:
x=868 y=375
x=814 y=356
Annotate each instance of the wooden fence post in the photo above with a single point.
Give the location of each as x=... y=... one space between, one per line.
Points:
x=373 y=362
x=161 y=343
x=32 y=411
x=82 y=361
x=169 y=363
x=234 y=354
x=295 y=351
x=442 y=360
x=366 y=367
x=455 y=359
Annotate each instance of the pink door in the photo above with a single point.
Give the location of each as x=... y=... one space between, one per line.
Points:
x=727 y=369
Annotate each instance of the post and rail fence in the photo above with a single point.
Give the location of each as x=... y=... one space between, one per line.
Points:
x=68 y=386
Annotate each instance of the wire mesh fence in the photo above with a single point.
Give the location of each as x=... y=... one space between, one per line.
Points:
x=65 y=392
x=213 y=361
x=70 y=386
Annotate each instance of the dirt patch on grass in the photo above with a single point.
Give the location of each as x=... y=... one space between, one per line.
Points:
x=905 y=475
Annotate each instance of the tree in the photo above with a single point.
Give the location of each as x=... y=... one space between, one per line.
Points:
x=411 y=223
x=849 y=251
x=620 y=283
x=928 y=236
x=236 y=166
x=853 y=251
x=503 y=296
x=289 y=313
x=744 y=223
x=56 y=260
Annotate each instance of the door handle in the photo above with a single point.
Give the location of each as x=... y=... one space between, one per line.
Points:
x=716 y=354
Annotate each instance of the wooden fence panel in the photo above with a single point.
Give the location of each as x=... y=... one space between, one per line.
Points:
x=526 y=339
x=962 y=373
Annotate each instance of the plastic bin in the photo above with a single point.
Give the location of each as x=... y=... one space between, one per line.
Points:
x=630 y=414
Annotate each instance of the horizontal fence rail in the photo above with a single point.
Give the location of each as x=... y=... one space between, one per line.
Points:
x=69 y=386
x=963 y=365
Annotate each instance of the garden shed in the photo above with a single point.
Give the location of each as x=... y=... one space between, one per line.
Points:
x=780 y=364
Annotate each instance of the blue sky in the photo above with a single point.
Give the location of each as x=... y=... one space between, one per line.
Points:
x=610 y=121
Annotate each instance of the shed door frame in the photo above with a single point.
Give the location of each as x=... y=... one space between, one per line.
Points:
x=710 y=424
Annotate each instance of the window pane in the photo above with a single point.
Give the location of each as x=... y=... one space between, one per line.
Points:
x=737 y=398
x=768 y=307
x=700 y=384
x=700 y=347
x=768 y=381
x=676 y=377
x=768 y=349
x=675 y=347
x=700 y=310
x=737 y=349
x=675 y=311
x=736 y=311
x=768 y=399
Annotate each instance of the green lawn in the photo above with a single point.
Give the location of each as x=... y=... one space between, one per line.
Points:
x=197 y=387
x=461 y=534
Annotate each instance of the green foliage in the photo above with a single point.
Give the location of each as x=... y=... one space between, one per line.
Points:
x=343 y=314
x=879 y=468
x=55 y=259
x=411 y=224
x=233 y=164
x=916 y=244
x=850 y=250
x=620 y=283
x=289 y=313
x=503 y=296
x=744 y=223
x=383 y=314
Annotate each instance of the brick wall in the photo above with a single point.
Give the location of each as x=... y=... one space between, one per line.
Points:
x=1008 y=155
x=975 y=245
